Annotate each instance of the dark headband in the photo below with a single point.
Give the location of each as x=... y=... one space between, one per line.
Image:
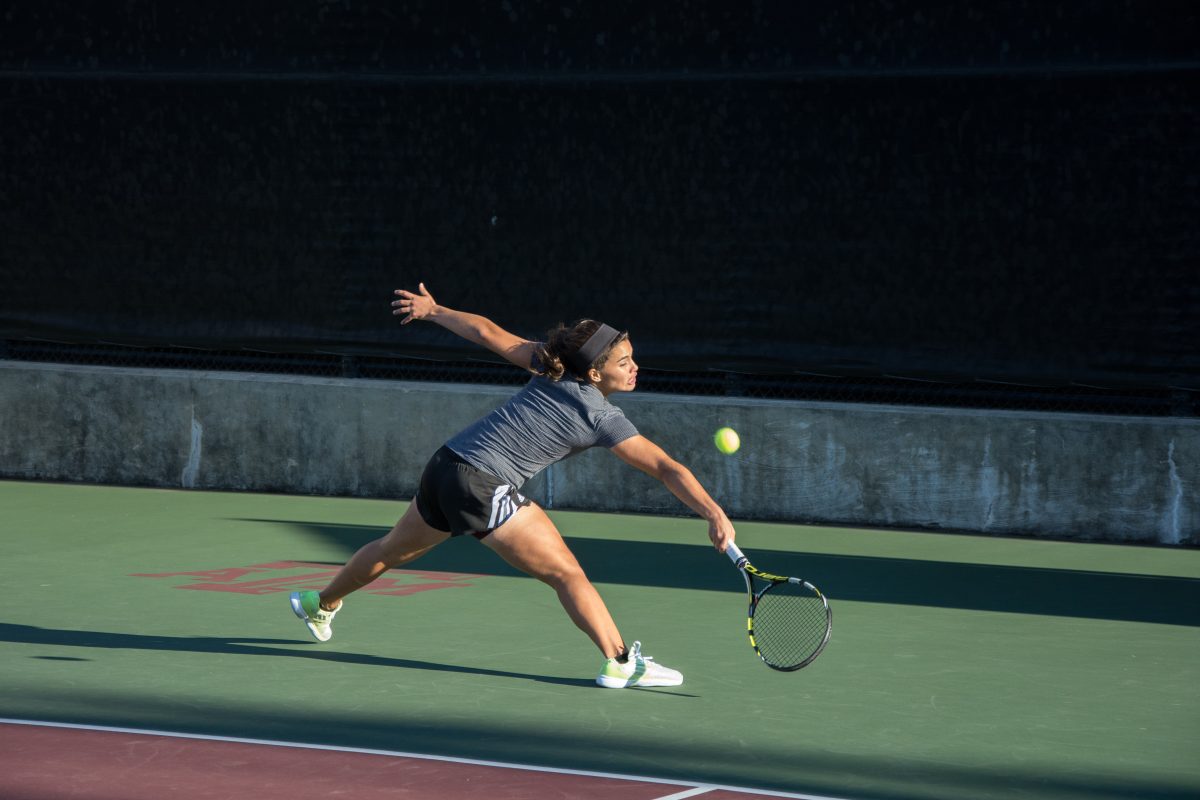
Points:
x=597 y=343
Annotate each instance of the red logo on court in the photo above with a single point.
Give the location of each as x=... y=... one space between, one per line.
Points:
x=294 y=576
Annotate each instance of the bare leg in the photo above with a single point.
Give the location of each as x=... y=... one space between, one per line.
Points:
x=530 y=542
x=409 y=539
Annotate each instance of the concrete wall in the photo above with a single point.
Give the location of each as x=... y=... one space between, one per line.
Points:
x=1093 y=477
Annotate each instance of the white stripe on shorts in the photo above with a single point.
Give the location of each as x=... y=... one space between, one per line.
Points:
x=503 y=506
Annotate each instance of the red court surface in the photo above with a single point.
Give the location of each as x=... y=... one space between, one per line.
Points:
x=42 y=762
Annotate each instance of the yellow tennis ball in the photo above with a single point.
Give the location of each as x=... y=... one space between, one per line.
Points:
x=727 y=441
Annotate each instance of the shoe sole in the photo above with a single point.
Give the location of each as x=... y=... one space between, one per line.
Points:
x=298 y=610
x=615 y=684
x=624 y=683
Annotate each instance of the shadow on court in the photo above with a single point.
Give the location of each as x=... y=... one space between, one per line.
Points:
x=974 y=587
x=28 y=634
x=783 y=764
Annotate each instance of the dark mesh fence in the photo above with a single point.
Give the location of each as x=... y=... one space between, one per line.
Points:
x=884 y=202
x=829 y=388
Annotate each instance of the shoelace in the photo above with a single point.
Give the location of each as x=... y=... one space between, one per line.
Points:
x=635 y=652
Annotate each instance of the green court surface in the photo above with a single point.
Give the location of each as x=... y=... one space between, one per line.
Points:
x=960 y=666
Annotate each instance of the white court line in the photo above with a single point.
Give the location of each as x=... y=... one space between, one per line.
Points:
x=696 y=788
x=688 y=793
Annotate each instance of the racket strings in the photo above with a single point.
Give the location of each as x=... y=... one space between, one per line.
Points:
x=791 y=624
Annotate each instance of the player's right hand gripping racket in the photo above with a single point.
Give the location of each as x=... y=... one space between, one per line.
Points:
x=790 y=620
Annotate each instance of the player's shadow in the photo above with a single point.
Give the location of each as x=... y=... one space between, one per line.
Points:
x=29 y=634
x=978 y=587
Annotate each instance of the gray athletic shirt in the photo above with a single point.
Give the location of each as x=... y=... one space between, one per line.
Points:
x=540 y=425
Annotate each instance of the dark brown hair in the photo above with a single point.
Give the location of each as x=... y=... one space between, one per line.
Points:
x=564 y=340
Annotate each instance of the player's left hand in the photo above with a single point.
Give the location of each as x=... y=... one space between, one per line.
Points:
x=416 y=306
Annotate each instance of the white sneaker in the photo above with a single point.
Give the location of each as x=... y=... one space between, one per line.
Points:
x=307 y=606
x=636 y=670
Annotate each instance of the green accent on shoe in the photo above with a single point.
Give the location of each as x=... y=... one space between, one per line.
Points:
x=311 y=601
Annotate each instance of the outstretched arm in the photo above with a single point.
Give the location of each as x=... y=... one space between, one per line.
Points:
x=640 y=452
x=472 y=327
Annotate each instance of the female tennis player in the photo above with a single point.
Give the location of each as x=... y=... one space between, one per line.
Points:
x=471 y=485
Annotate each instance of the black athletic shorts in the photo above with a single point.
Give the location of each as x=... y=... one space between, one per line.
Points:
x=457 y=497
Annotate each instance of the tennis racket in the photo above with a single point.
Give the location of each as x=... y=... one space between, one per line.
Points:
x=789 y=621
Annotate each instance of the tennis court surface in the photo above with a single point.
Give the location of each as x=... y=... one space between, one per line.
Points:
x=147 y=650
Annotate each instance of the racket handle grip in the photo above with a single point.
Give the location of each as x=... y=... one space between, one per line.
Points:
x=735 y=555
